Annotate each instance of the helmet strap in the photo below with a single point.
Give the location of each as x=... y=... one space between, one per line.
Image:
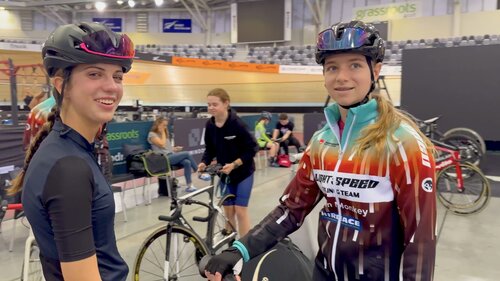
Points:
x=372 y=87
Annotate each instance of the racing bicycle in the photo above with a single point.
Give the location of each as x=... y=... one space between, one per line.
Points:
x=173 y=252
x=470 y=144
x=461 y=187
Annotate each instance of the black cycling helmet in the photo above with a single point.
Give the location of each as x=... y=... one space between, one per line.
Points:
x=267 y=115
x=352 y=37
x=89 y=43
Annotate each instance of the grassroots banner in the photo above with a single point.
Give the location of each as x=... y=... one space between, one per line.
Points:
x=190 y=134
x=409 y=9
x=312 y=123
x=126 y=133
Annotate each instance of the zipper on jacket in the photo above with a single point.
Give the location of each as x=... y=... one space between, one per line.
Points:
x=339 y=218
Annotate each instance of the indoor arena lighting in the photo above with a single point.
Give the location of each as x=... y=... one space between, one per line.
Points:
x=119 y=2
x=100 y=6
x=131 y=3
x=158 y=3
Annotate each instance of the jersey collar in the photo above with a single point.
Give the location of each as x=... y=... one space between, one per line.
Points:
x=66 y=131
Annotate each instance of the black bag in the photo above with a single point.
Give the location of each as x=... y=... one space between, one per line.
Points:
x=284 y=261
x=148 y=163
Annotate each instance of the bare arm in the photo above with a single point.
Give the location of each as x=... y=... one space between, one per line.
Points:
x=275 y=134
x=159 y=141
x=81 y=270
x=286 y=135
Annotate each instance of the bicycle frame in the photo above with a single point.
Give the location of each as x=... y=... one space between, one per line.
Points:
x=451 y=158
x=177 y=219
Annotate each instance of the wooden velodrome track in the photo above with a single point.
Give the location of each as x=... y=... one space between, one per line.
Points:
x=169 y=85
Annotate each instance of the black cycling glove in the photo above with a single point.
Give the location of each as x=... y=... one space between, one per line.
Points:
x=224 y=262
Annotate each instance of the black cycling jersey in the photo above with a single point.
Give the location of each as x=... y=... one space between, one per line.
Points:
x=70 y=206
x=228 y=143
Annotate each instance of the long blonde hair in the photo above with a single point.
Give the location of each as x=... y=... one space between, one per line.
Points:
x=389 y=119
x=156 y=124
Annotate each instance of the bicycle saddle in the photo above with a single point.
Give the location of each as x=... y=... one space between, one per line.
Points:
x=432 y=120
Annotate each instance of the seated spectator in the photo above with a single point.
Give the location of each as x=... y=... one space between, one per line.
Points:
x=159 y=140
x=263 y=139
x=284 y=132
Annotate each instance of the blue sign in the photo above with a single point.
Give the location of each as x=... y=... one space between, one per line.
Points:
x=114 y=23
x=126 y=133
x=177 y=25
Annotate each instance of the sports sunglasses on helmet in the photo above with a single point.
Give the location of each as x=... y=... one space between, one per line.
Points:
x=351 y=38
x=99 y=43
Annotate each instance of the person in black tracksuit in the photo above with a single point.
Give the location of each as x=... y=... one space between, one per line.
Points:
x=66 y=198
x=229 y=141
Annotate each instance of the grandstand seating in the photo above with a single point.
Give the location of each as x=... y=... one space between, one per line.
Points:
x=295 y=55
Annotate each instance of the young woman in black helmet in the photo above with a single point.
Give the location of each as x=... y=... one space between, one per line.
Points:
x=373 y=167
x=65 y=196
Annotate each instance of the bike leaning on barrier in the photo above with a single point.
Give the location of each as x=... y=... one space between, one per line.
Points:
x=372 y=165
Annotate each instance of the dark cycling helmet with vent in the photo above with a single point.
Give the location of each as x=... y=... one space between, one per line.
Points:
x=352 y=37
x=266 y=115
x=86 y=43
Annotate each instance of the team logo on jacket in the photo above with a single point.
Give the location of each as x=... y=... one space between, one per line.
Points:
x=354 y=187
x=345 y=220
x=427 y=184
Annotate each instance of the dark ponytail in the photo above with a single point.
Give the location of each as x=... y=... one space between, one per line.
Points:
x=17 y=183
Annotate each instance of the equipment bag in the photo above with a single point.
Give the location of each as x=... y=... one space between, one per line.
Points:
x=284 y=261
x=284 y=160
x=148 y=163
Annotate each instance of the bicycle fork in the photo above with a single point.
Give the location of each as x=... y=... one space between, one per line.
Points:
x=460 y=179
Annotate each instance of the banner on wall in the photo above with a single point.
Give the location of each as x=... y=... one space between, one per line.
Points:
x=409 y=9
x=176 y=26
x=190 y=134
x=126 y=133
x=226 y=65
x=312 y=123
x=115 y=24
x=152 y=57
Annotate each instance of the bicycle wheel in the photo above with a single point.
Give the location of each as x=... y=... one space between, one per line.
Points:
x=186 y=250
x=470 y=146
x=468 y=132
x=221 y=225
x=35 y=272
x=472 y=198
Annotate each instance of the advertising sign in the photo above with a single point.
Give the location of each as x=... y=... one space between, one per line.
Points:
x=409 y=9
x=126 y=133
x=177 y=26
x=190 y=134
x=312 y=123
x=114 y=23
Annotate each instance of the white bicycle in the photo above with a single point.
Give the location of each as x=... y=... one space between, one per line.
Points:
x=32 y=268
